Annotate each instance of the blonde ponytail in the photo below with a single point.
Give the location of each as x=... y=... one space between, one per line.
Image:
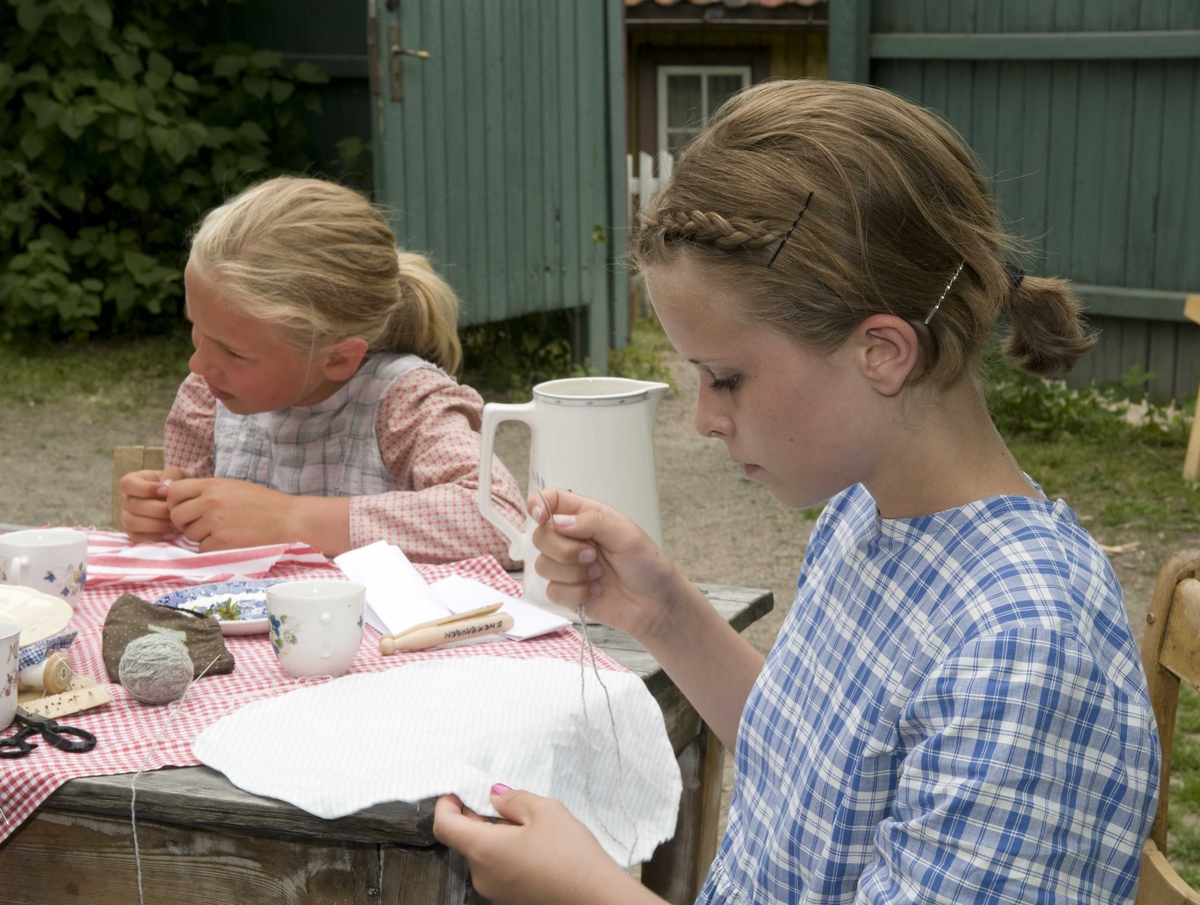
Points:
x=425 y=316
x=321 y=261
x=1046 y=335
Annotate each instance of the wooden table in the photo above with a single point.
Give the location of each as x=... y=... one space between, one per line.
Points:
x=204 y=841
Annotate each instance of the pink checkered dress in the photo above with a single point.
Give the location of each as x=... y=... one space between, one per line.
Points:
x=400 y=438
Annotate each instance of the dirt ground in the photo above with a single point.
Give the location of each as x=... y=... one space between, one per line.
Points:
x=55 y=459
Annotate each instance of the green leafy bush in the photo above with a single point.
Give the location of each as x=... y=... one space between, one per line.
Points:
x=1023 y=404
x=505 y=359
x=116 y=133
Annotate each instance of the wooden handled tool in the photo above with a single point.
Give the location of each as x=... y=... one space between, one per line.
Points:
x=456 y=627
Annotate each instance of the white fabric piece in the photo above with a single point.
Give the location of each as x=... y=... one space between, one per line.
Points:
x=461 y=595
x=440 y=726
x=397 y=596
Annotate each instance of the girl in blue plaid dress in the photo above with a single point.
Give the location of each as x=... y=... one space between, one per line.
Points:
x=954 y=710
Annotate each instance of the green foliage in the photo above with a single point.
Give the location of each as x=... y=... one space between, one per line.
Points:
x=505 y=359
x=116 y=133
x=1024 y=405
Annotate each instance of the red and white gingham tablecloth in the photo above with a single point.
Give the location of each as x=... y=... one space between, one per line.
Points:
x=126 y=729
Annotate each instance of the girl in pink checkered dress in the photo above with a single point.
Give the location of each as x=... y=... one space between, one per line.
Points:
x=320 y=407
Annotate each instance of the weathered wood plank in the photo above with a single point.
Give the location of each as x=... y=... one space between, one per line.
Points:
x=432 y=81
x=1116 y=154
x=679 y=866
x=532 y=102
x=200 y=796
x=492 y=200
x=1060 y=189
x=569 y=149
x=60 y=858
x=476 y=217
x=1170 y=228
x=551 y=277
x=432 y=876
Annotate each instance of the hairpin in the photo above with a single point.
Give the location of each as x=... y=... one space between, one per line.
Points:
x=1015 y=275
x=945 y=292
x=788 y=234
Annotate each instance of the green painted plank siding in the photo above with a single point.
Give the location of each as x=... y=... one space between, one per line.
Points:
x=501 y=159
x=1087 y=117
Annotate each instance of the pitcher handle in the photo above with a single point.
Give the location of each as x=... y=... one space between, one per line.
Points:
x=520 y=540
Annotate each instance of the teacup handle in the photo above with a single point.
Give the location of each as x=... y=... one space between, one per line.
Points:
x=16 y=567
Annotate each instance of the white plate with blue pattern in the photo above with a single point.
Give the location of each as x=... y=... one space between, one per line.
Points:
x=239 y=606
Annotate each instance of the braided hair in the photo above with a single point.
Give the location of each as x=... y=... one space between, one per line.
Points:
x=893 y=204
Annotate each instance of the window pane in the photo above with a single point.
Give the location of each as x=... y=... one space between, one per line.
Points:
x=683 y=101
x=721 y=87
x=678 y=139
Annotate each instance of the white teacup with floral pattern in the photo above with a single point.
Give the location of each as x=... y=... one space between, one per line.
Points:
x=10 y=669
x=50 y=560
x=316 y=625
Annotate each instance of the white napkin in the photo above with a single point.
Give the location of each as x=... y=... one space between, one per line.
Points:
x=459 y=726
x=459 y=595
x=398 y=597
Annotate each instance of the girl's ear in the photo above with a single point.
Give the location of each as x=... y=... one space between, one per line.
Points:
x=888 y=350
x=343 y=358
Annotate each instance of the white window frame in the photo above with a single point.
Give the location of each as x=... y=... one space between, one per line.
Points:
x=703 y=72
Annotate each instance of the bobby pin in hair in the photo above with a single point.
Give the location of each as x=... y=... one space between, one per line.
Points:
x=788 y=234
x=1015 y=275
x=945 y=292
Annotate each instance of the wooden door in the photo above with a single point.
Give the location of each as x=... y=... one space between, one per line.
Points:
x=498 y=128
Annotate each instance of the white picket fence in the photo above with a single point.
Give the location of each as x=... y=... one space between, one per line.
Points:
x=646 y=184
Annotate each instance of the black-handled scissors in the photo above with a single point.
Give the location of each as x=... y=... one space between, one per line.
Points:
x=33 y=724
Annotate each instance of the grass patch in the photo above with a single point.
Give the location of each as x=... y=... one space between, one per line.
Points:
x=1183 y=833
x=117 y=375
x=1131 y=484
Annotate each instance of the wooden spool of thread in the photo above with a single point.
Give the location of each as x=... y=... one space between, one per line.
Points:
x=53 y=675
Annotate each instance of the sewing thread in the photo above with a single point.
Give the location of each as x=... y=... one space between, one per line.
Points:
x=175 y=708
x=587 y=771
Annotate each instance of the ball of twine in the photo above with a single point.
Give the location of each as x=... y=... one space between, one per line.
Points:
x=155 y=669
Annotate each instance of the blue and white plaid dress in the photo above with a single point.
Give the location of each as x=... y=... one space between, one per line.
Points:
x=955 y=711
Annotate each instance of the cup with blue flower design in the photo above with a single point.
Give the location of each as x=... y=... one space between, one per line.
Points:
x=50 y=560
x=10 y=670
x=316 y=625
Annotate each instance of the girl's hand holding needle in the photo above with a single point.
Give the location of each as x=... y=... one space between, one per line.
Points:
x=594 y=556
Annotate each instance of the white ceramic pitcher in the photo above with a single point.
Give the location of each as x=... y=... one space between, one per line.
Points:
x=592 y=435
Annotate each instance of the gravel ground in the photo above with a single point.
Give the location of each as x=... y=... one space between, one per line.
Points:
x=55 y=459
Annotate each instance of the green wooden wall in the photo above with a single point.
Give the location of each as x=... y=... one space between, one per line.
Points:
x=1087 y=115
x=504 y=157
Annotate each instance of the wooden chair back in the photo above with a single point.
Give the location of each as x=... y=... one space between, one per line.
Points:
x=125 y=460
x=1170 y=654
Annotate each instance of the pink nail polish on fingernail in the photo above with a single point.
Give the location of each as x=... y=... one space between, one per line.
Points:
x=500 y=788
x=595 y=571
x=566 y=521
x=536 y=514
x=587 y=554
x=596 y=590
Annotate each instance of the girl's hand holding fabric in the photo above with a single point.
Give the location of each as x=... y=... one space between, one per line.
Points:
x=220 y=514
x=594 y=555
x=145 y=514
x=538 y=853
